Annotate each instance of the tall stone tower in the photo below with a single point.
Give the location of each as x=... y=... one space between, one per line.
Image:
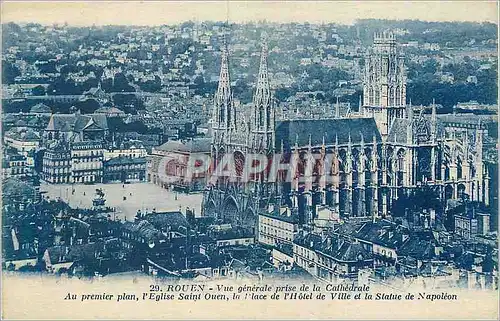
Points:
x=263 y=113
x=224 y=113
x=384 y=88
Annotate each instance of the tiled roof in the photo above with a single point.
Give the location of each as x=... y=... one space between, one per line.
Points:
x=282 y=217
x=144 y=229
x=348 y=228
x=124 y=160
x=292 y=131
x=64 y=254
x=28 y=135
x=398 y=131
x=109 y=110
x=76 y=122
x=420 y=245
x=347 y=251
x=165 y=220
x=234 y=233
x=197 y=145
x=40 y=108
x=382 y=232
x=308 y=240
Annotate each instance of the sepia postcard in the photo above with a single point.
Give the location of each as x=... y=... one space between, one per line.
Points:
x=229 y=160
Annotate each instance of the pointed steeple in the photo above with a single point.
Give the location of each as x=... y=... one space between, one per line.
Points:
x=410 y=111
x=223 y=112
x=262 y=97
x=263 y=110
x=337 y=108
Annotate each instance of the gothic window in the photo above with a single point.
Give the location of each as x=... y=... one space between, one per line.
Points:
x=472 y=170
x=398 y=96
x=239 y=162
x=389 y=160
x=261 y=116
x=401 y=160
x=447 y=172
x=370 y=96
x=221 y=154
x=228 y=117
x=341 y=160
x=377 y=96
x=368 y=160
x=222 y=117
x=302 y=163
x=355 y=159
x=459 y=168
x=422 y=131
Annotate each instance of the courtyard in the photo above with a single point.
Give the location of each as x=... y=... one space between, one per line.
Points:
x=127 y=198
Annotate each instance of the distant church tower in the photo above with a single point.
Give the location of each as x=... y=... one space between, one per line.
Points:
x=384 y=88
x=263 y=113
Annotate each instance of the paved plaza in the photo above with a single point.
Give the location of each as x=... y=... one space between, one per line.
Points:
x=143 y=196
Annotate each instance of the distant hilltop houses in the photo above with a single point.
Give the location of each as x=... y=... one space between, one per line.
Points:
x=474 y=106
x=403 y=133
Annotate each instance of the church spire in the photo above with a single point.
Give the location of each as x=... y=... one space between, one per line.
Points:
x=223 y=113
x=263 y=112
x=337 y=108
x=262 y=97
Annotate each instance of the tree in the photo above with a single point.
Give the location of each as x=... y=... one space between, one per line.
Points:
x=121 y=84
x=88 y=106
x=9 y=72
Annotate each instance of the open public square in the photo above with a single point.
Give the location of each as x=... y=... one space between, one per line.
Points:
x=126 y=198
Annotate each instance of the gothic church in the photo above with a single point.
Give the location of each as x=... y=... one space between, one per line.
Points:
x=385 y=150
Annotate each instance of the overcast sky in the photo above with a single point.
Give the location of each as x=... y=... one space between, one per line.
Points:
x=172 y=12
